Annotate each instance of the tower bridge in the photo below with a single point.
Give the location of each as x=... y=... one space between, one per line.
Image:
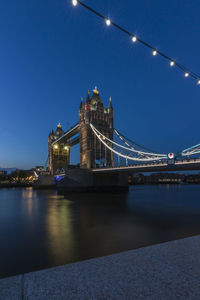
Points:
x=92 y=152
x=105 y=153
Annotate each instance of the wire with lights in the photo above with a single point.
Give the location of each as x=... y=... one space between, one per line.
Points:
x=134 y=38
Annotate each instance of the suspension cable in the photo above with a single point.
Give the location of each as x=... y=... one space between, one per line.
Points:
x=97 y=133
x=129 y=149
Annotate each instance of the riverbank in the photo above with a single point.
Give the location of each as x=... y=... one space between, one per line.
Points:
x=15 y=185
x=53 y=186
x=165 y=271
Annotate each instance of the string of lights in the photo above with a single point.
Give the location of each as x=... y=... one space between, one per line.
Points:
x=134 y=38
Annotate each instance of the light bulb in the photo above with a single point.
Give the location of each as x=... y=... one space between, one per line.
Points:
x=186 y=74
x=154 y=52
x=108 y=22
x=134 y=39
x=172 y=63
x=74 y=2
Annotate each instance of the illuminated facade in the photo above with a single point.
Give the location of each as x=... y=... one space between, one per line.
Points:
x=92 y=152
x=59 y=152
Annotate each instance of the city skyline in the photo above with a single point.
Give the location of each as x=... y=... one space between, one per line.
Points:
x=50 y=63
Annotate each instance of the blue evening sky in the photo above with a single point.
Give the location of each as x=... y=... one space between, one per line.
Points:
x=51 y=53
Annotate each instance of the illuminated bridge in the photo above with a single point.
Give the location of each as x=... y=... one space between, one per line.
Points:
x=105 y=150
x=167 y=166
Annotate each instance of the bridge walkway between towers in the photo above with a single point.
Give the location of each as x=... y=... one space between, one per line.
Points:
x=68 y=134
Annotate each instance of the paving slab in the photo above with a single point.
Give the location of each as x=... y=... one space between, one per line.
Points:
x=11 y=288
x=128 y=275
x=165 y=271
x=183 y=253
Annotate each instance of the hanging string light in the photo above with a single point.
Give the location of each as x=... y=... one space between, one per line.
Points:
x=74 y=2
x=134 y=39
x=172 y=63
x=108 y=22
x=154 y=52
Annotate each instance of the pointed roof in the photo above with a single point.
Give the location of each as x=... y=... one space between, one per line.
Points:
x=88 y=97
x=59 y=131
x=95 y=91
x=95 y=96
x=110 y=103
x=81 y=102
x=51 y=132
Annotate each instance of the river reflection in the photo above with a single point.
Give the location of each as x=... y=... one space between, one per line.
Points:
x=40 y=229
x=60 y=234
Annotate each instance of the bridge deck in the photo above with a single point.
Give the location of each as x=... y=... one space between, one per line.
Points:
x=184 y=165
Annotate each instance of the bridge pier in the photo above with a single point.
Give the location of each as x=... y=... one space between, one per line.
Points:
x=83 y=180
x=44 y=182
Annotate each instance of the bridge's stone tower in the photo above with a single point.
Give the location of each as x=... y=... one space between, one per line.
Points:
x=59 y=153
x=92 y=151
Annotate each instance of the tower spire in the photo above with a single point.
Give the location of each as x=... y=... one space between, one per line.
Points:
x=95 y=91
x=88 y=97
x=110 y=103
x=81 y=102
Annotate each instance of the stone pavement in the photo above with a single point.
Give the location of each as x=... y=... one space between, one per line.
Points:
x=165 y=271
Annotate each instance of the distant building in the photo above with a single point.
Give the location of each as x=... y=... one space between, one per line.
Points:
x=22 y=176
x=3 y=172
x=157 y=178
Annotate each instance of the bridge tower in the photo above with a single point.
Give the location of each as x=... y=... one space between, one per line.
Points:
x=92 y=151
x=59 y=152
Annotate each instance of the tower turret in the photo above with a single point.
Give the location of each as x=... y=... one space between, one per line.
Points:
x=88 y=97
x=58 y=151
x=110 y=103
x=110 y=113
x=59 y=131
x=81 y=102
x=92 y=151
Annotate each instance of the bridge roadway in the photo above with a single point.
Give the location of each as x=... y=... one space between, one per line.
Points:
x=179 y=165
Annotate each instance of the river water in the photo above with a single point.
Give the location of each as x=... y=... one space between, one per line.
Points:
x=40 y=229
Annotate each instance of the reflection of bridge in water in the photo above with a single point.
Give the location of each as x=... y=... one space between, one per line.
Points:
x=104 y=150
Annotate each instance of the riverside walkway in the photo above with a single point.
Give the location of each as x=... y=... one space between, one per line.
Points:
x=165 y=271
